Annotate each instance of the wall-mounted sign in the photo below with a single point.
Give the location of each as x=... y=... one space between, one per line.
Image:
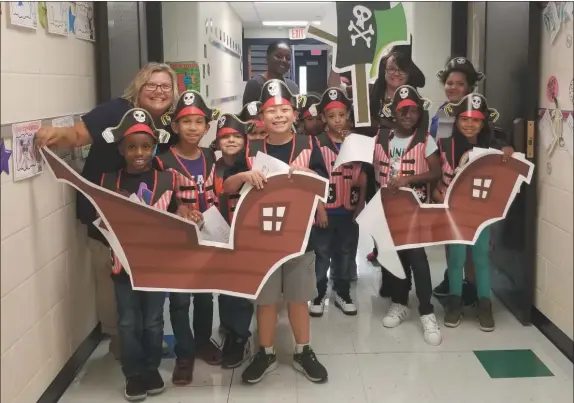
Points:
x=296 y=34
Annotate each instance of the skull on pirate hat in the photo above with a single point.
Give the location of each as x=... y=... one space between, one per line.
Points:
x=474 y=106
x=275 y=92
x=192 y=103
x=333 y=98
x=405 y=96
x=311 y=99
x=230 y=123
x=135 y=120
x=462 y=65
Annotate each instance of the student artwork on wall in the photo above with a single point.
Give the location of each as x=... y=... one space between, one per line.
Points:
x=188 y=76
x=5 y=155
x=24 y=14
x=57 y=17
x=26 y=160
x=269 y=227
x=84 y=21
x=359 y=33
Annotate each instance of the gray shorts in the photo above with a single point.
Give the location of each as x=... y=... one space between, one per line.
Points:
x=294 y=281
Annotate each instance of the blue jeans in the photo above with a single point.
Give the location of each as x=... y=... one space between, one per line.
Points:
x=185 y=342
x=235 y=315
x=140 y=328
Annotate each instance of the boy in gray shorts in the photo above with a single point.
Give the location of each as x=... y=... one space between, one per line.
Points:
x=295 y=280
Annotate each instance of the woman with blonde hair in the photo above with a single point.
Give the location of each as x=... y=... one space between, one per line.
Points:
x=154 y=88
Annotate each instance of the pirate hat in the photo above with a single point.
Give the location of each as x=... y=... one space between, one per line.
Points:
x=310 y=101
x=135 y=120
x=473 y=105
x=250 y=113
x=332 y=98
x=192 y=103
x=275 y=92
x=404 y=96
x=463 y=65
x=230 y=123
x=416 y=76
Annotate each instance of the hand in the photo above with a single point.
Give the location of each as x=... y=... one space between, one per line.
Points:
x=399 y=182
x=255 y=178
x=294 y=168
x=438 y=195
x=190 y=214
x=46 y=136
x=507 y=153
x=322 y=219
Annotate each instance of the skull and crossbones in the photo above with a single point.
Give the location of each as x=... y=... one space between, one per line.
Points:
x=139 y=116
x=188 y=98
x=362 y=14
x=252 y=108
x=461 y=60
x=221 y=122
x=273 y=89
x=404 y=92
x=354 y=197
x=332 y=95
x=476 y=102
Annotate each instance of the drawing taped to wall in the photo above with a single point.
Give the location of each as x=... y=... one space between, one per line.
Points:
x=58 y=13
x=188 y=77
x=26 y=160
x=5 y=155
x=42 y=14
x=24 y=14
x=84 y=24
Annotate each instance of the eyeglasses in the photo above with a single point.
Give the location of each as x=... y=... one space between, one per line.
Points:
x=395 y=72
x=151 y=87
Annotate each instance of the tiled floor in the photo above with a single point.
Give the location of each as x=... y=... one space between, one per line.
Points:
x=368 y=363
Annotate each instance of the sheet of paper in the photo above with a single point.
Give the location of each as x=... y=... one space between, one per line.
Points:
x=24 y=14
x=214 y=228
x=568 y=135
x=84 y=22
x=551 y=21
x=548 y=137
x=267 y=165
x=58 y=13
x=356 y=148
x=373 y=221
x=26 y=159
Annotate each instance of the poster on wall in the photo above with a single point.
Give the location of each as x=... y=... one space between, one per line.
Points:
x=84 y=21
x=26 y=159
x=58 y=13
x=188 y=77
x=24 y=14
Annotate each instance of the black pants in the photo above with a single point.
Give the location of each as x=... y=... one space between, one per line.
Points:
x=415 y=260
x=186 y=341
x=235 y=315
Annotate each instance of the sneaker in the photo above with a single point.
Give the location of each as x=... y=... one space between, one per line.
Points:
x=442 y=290
x=261 y=365
x=396 y=314
x=453 y=311
x=344 y=302
x=431 y=331
x=235 y=351
x=135 y=389
x=154 y=383
x=306 y=362
x=317 y=306
x=485 y=319
x=165 y=349
x=183 y=372
x=210 y=354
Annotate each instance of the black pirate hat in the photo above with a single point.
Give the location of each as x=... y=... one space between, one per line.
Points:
x=416 y=76
x=332 y=98
x=473 y=105
x=276 y=92
x=135 y=120
x=250 y=113
x=404 y=96
x=310 y=100
x=192 y=103
x=230 y=123
x=463 y=65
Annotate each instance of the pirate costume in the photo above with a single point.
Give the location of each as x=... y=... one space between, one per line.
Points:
x=194 y=188
x=140 y=352
x=250 y=113
x=454 y=154
x=334 y=245
x=305 y=113
x=294 y=281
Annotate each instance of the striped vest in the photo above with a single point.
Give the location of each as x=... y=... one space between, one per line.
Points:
x=300 y=153
x=448 y=163
x=225 y=202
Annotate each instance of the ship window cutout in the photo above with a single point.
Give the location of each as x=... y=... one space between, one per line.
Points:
x=480 y=188
x=273 y=218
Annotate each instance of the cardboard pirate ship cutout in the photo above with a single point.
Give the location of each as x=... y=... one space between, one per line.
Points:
x=161 y=251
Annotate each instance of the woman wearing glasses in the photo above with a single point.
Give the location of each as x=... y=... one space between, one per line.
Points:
x=154 y=88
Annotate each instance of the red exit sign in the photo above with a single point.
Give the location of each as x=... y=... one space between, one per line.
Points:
x=297 y=34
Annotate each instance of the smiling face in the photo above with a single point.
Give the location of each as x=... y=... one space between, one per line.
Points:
x=407 y=118
x=336 y=119
x=191 y=128
x=231 y=143
x=278 y=119
x=456 y=87
x=137 y=149
x=156 y=95
x=469 y=127
x=279 y=62
x=394 y=76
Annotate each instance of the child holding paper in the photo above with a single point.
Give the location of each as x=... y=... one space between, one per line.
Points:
x=471 y=129
x=140 y=314
x=335 y=234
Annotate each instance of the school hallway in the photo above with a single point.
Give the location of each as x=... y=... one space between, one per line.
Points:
x=369 y=363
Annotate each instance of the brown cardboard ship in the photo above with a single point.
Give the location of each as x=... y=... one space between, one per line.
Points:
x=163 y=251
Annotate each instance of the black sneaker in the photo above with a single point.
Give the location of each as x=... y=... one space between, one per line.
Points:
x=306 y=362
x=154 y=382
x=235 y=351
x=261 y=365
x=442 y=290
x=135 y=389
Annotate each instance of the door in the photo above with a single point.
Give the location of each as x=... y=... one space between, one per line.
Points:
x=511 y=61
x=312 y=67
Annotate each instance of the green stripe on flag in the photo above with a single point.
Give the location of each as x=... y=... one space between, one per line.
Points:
x=391 y=27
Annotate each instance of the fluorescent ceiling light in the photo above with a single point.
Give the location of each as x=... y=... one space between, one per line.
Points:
x=289 y=23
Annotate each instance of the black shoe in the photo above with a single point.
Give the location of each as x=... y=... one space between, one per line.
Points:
x=235 y=351
x=261 y=365
x=135 y=389
x=442 y=290
x=154 y=382
x=453 y=311
x=306 y=362
x=469 y=294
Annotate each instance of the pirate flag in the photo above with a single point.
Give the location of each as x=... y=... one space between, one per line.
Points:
x=463 y=65
x=275 y=92
x=473 y=106
x=332 y=98
x=135 y=121
x=192 y=103
x=230 y=123
x=404 y=96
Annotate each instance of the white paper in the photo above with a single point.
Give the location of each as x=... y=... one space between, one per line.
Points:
x=356 y=148
x=24 y=14
x=214 y=227
x=374 y=221
x=84 y=23
x=551 y=21
x=26 y=159
x=267 y=165
x=568 y=135
x=548 y=136
x=114 y=244
x=57 y=17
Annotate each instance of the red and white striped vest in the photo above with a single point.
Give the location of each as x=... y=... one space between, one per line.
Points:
x=225 y=202
x=300 y=153
x=164 y=185
x=448 y=163
x=344 y=181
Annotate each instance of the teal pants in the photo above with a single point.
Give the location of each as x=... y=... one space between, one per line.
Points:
x=481 y=259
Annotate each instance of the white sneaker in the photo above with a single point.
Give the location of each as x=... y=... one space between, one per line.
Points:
x=397 y=313
x=316 y=307
x=345 y=303
x=431 y=330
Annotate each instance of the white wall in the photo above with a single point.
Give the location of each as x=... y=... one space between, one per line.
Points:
x=47 y=293
x=266 y=32
x=554 y=281
x=184 y=35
